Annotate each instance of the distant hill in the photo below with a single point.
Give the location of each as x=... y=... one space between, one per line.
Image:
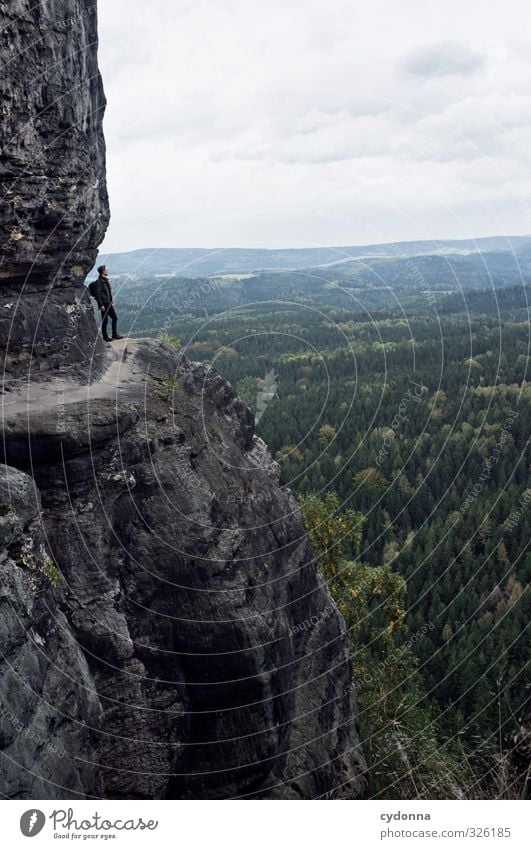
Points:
x=204 y=262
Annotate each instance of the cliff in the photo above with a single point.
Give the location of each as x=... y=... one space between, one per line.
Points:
x=54 y=210
x=165 y=632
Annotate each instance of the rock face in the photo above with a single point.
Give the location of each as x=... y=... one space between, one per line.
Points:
x=190 y=625
x=54 y=209
x=43 y=715
x=165 y=632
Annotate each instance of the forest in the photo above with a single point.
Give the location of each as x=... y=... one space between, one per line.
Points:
x=399 y=414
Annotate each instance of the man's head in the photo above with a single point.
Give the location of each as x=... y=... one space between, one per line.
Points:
x=102 y=271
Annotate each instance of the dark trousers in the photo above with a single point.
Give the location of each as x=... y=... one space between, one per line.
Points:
x=110 y=313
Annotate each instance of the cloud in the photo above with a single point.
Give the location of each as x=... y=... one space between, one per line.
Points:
x=441 y=60
x=246 y=122
x=325 y=138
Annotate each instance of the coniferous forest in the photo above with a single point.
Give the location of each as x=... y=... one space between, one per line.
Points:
x=399 y=415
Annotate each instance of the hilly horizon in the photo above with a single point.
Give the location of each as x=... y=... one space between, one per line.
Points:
x=201 y=262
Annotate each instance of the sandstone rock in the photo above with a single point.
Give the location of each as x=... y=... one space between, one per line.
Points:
x=48 y=704
x=218 y=659
x=54 y=209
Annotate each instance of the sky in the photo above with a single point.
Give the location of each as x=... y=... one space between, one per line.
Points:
x=294 y=123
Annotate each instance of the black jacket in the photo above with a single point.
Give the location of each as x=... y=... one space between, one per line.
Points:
x=103 y=292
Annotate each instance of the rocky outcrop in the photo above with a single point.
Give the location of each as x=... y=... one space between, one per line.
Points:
x=165 y=632
x=211 y=657
x=47 y=706
x=54 y=209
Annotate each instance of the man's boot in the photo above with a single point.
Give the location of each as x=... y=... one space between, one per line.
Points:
x=107 y=339
x=117 y=336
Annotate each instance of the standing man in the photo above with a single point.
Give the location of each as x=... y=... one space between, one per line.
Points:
x=103 y=295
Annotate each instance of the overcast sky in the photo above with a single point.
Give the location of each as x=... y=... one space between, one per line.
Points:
x=270 y=123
